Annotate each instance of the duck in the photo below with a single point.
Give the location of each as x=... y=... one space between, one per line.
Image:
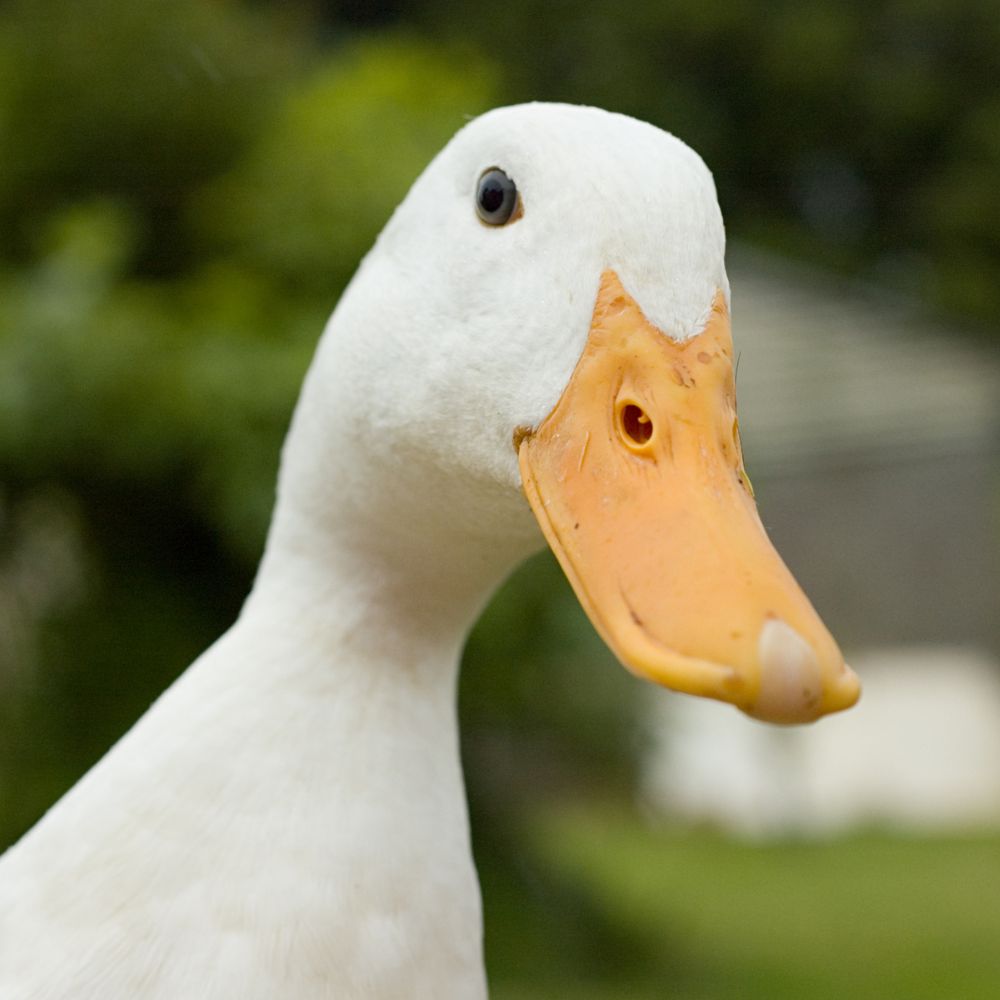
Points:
x=536 y=349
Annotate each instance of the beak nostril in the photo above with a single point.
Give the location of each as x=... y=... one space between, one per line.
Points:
x=636 y=426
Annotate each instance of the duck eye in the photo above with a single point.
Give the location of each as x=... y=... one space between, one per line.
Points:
x=496 y=197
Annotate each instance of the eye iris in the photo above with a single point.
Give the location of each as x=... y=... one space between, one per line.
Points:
x=496 y=197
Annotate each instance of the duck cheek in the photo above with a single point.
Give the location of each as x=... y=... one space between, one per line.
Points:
x=636 y=480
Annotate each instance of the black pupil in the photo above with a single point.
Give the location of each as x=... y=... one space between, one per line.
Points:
x=491 y=197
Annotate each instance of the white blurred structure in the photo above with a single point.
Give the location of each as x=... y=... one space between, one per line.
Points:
x=921 y=751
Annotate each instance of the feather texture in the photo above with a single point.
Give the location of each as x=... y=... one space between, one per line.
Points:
x=288 y=819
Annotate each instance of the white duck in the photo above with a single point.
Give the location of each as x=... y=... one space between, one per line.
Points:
x=288 y=820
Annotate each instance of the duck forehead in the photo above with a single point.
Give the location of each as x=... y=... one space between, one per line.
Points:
x=604 y=190
x=565 y=136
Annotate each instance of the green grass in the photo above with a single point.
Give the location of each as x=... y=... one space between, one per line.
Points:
x=695 y=916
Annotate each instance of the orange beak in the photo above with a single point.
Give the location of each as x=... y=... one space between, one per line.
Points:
x=637 y=480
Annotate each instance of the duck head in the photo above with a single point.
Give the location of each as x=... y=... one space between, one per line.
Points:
x=540 y=338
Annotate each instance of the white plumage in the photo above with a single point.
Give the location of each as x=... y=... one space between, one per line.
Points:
x=288 y=820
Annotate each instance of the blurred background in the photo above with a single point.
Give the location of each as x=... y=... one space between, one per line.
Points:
x=185 y=188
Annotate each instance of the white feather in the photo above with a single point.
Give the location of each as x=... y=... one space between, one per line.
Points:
x=288 y=820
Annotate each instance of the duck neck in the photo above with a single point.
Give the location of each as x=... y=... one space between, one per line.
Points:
x=374 y=571
x=394 y=593
x=359 y=646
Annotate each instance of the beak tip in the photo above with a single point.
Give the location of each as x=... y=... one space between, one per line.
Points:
x=848 y=688
x=792 y=684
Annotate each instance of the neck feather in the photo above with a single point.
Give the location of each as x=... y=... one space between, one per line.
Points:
x=299 y=786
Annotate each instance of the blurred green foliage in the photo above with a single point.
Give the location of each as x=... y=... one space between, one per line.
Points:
x=136 y=101
x=186 y=187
